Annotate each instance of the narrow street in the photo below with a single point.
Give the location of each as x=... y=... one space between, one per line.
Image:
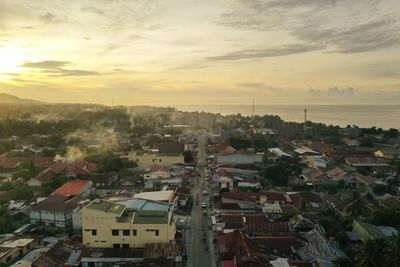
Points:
x=200 y=238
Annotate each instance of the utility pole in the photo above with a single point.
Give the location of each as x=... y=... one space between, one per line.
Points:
x=252 y=109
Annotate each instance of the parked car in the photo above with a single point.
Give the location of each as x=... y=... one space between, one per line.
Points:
x=203 y=205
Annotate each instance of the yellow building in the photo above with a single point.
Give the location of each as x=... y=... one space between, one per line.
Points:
x=132 y=224
x=147 y=159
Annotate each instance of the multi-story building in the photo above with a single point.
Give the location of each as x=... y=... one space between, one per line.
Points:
x=132 y=224
x=55 y=211
x=147 y=159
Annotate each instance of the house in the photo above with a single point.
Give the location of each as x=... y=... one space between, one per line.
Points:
x=367 y=231
x=316 y=178
x=183 y=194
x=263 y=131
x=254 y=199
x=365 y=182
x=146 y=159
x=157 y=172
x=316 y=162
x=390 y=201
x=337 y=174
x=221 y=149
x=279 y=153
x=306 y=151
x=70 y=169
x=238 y=159
x=167 y=196
x=318 y=248
x=223 y=179
x=242 y=251
x=42 y=178
x=299 y=223
x=133 y=224
x=388 y=153
x=366 y=162
x=74 y=188
x=171 y=148
x=62 y=253
x=251 y=224
x=305 y=198
x=77 y=216
x=55 y=211
x=14 y=248
x=101 y=180
x=11 y=163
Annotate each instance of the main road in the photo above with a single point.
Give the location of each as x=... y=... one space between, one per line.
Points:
x=199 y=238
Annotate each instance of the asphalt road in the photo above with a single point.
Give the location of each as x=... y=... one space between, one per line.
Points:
x=197 y=254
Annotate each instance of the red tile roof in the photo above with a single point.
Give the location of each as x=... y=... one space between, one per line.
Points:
x=308 y=197
x=72 y=188
x=222 y=149
x=58 y=203
x=45 y=176
x=88 y=166
x=156 y=167
x=364 y=179
x=392 y=202
x=13 y=162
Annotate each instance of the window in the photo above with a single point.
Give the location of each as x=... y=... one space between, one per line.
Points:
x=134 y=232
x=125 y=245
x=94 y=231
x=116 y=246
x=160 y=160
x=156 y=231
x=115 y=232
x=125 y=232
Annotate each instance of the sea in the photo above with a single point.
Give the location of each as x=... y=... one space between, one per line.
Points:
x=380 y=116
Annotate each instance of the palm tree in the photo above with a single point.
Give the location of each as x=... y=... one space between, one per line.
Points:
x=392 y=251
x=356 y=205
x=369 y=253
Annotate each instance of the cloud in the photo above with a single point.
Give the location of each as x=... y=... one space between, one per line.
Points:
x=27 y=27
x=258 y=86
x=371 y=36
x=333 y=91
x=56 y=68
x=94 y=10
x=269 y=52
x=66 y=72
x=336 y=24
x=48 y=18
x=47 y=64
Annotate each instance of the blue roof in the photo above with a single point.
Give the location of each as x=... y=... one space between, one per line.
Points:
x=142 y=204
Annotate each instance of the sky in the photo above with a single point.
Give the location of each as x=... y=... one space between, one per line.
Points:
x=197 y=52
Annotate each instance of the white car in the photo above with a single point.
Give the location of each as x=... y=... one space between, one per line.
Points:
x=203 y=205
x=205 y=193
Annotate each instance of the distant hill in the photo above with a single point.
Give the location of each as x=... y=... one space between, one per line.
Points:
x=11 y=99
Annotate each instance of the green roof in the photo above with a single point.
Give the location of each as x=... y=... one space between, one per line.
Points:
x=150 y=217
x=106 y=206
x=372 y=230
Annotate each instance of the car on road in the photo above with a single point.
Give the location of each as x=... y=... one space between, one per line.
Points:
x=203 y=205
x=204 y=212
x=205 y=193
